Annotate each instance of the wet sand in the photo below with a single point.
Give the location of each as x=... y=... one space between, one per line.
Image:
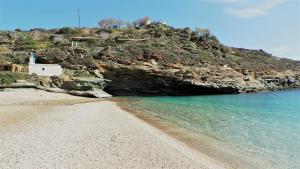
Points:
x=51 y=130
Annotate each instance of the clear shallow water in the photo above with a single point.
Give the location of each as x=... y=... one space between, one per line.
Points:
x=255 y=130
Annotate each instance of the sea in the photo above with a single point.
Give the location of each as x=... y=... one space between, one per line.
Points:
x=260 y=130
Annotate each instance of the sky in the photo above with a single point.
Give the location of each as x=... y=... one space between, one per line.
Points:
x=271 y=25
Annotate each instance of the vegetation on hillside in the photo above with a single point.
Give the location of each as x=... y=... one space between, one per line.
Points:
x=129 y=43
x=11 y=77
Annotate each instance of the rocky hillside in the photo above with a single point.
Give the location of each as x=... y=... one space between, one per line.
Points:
x=152 y=60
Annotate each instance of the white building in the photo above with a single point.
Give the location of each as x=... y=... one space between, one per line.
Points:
x=43 y=69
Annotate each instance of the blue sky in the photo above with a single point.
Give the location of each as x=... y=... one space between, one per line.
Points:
x=271 y=25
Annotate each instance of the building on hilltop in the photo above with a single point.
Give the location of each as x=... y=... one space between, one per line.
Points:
x=43 y=69
x=57 y=37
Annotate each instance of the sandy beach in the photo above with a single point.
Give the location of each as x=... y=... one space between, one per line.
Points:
x=39 y=129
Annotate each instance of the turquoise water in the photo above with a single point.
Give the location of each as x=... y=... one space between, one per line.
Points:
x=245 y=131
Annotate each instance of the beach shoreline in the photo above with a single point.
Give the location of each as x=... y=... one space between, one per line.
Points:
x=39 y=129
x=203 y=144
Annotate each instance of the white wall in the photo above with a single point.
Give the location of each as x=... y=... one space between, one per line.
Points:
x=45 y=69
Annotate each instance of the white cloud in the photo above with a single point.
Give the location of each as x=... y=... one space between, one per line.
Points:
x=292 y=52
x=230 y=1
x=220 y=1
x=254 y=9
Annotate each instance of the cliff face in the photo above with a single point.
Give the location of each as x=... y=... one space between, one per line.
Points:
x=154 y=60
x=143 y=80
x=207 y=79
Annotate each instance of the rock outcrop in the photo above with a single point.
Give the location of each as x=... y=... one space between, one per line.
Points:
x=142 y=80
x=209 y=79
x=86 y=87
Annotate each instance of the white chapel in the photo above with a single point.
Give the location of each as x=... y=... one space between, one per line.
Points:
x=43 y=69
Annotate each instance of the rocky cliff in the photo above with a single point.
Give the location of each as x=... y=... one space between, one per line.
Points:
x=152 y=60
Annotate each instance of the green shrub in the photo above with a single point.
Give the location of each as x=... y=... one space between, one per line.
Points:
x=11 y=77
x=18 y=30
x=68 y=30
x=92 y=42
x=60 y=44
x=131 y=33
x=28 y=43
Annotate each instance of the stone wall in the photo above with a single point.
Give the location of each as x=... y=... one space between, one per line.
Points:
x=13 y=68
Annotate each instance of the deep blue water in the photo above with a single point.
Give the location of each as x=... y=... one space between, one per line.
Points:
x=262 y=130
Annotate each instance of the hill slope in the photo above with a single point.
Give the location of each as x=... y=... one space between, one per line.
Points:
x=153 y=60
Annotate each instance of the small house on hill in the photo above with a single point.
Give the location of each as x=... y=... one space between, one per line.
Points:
x=57 y=37
x=43 y=69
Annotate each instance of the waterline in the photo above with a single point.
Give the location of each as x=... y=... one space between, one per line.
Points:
x=244 y=131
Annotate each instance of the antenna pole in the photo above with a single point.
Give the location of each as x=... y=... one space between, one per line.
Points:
x=78 y=14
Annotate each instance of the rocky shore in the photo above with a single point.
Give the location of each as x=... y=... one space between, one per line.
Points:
x=79 y=87
x=183 y=80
